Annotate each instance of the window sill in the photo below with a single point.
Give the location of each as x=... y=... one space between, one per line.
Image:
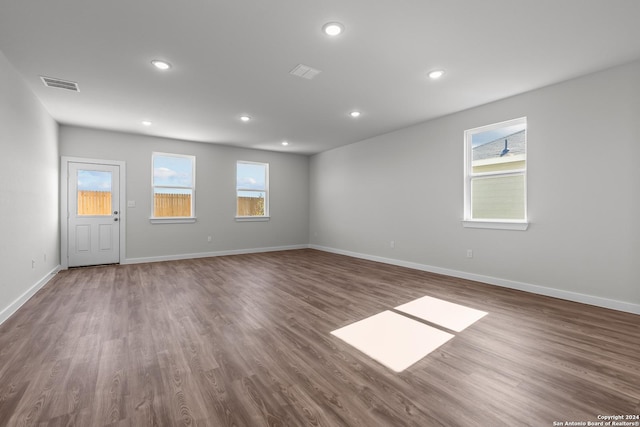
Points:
x=252 y=218
x=167 y=220
x=496 y=225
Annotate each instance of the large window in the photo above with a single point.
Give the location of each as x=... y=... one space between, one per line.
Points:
x=495 y=175
x=252 y=190
x=173 y=186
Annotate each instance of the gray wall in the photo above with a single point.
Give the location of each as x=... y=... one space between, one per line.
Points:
x=583 y=186
x=215 y=195
x=28 y=192
x=583 y=242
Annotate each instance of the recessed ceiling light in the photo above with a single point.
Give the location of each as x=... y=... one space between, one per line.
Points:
x=436 y=74
x=332 y=28
x=355 y=114
x=245 y=118
x=146 y=123
x=285 y=143
x=161 y=65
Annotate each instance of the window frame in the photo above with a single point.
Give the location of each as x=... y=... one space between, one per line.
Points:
x=248 y=218
x=173 y=219
x=493 y=223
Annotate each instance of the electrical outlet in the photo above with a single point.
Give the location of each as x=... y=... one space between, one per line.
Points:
x=392 y=244
x=469 y=253
x=33 y=263
x=209 y=239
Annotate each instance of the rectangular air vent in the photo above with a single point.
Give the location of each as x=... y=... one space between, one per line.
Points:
x=304 y=71
x=60 y=84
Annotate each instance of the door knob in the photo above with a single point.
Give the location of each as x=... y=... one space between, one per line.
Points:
x=115 y=219
x=115 y=212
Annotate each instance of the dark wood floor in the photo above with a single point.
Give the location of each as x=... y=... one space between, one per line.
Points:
x=244 y=340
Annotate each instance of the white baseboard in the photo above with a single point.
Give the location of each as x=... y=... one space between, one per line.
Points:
x=527 y=287
x=535 y=289
x=14 y=306
x=212 y=254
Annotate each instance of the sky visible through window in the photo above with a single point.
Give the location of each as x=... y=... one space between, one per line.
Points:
x=170 y=171
x=251 y=177
x=94 y=180
x=481 y=138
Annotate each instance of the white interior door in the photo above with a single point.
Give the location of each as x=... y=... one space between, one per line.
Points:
x=93 y=214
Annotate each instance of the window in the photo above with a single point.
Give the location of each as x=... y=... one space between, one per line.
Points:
x=495 y=176
x=94 y=193
x=173 y=192
x=252 y=190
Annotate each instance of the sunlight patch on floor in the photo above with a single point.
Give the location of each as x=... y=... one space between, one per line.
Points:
x=444 y=313
x=397 y=342
x=393 y=339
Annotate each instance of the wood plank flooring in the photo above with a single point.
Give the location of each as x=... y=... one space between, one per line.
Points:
x=245 y=341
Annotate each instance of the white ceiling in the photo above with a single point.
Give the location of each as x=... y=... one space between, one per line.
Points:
x=233 y=57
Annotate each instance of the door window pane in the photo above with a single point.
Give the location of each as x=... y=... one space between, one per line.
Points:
x=94 y=192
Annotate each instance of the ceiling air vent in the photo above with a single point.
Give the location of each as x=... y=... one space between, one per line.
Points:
x=304 y=71
x=60 y=84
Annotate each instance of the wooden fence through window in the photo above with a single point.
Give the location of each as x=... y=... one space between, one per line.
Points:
x=171 y=205
x=250 y=206
x=164 y=205
x=94 y=202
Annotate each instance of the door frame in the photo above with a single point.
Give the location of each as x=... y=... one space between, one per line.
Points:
x=64 y=205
